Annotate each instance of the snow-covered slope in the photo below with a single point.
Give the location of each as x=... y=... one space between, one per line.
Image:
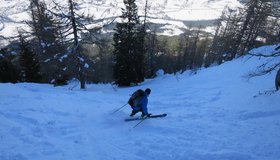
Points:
x=214 y=114
x=172 y=14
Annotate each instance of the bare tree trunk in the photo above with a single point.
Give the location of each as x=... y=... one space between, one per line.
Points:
x=194 y=48
x=250 y=13
x=76 y=46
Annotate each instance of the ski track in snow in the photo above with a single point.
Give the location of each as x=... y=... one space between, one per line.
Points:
x=220 y=119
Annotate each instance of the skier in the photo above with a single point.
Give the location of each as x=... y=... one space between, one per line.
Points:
x=139 y=102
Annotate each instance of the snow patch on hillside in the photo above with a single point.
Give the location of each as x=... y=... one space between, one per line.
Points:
x=15 y=13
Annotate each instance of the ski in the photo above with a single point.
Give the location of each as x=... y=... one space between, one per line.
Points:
x=151 y=116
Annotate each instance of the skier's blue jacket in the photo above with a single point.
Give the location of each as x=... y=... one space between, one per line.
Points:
x=142 y=105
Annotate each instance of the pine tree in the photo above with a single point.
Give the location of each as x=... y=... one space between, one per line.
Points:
x=151 y=49
x=129 y=47
x=76 y=33
x=29 y=63
x=45 y=29
x=8 y=72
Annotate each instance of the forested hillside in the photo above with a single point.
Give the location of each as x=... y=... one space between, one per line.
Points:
x=66 y=43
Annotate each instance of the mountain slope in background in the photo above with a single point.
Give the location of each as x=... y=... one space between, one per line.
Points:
x=172 y=15
x=214 y=114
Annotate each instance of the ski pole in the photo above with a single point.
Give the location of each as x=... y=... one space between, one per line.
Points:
x=119 y=108
x=140 y=121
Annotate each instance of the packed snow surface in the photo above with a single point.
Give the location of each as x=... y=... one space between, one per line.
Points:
x=214 y=114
